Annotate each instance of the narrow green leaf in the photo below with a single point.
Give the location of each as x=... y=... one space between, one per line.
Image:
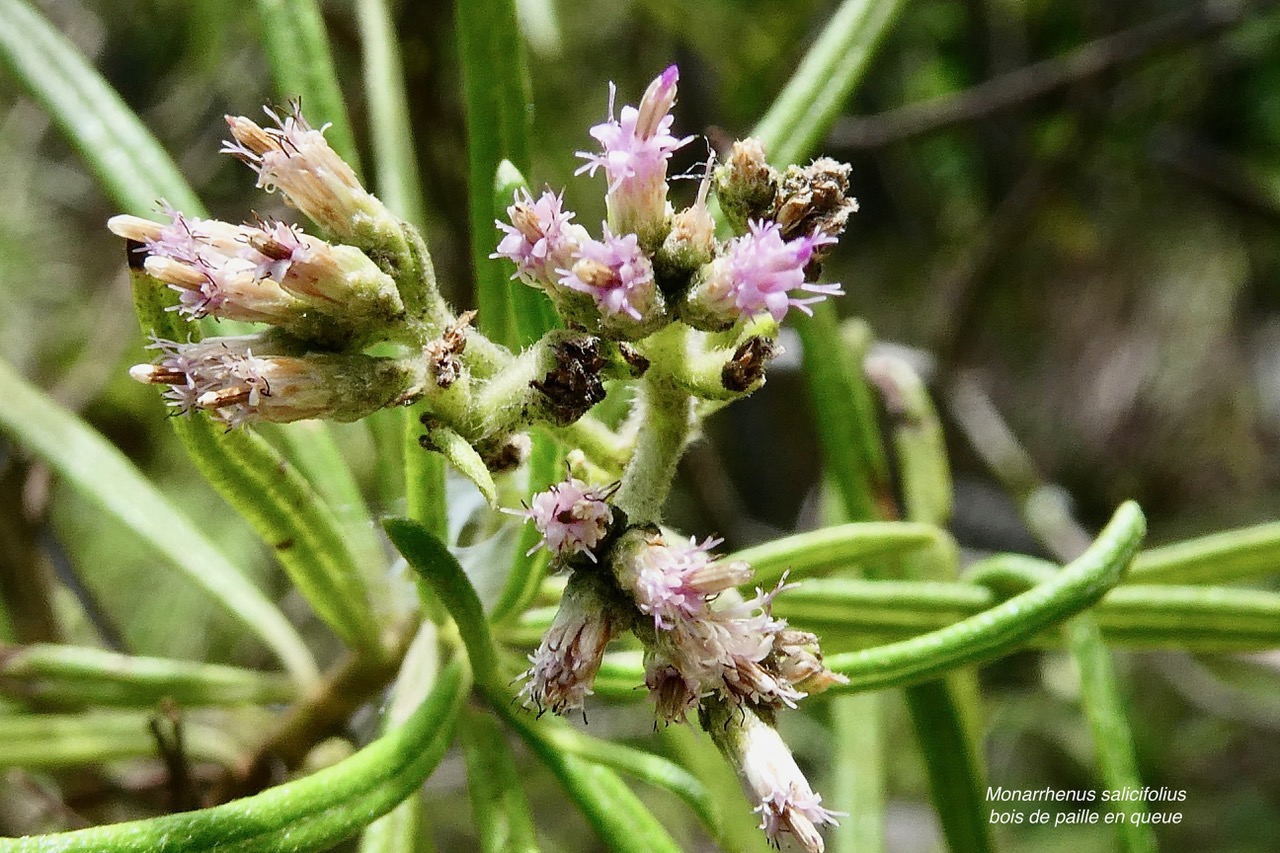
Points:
x=817 y=93
x=424 y=477
x=1231 y=555
x=619 y=818
x=54 y=741
x=309 y=814
x=496 y=92
x=313 y=451
x=121 y=152
x=956 y=775
x=463 y=457
x=857 y=784
x=638 y=764
x=395 y=163
x=430 y=558
x=541 y=26
x=844 y=415
x=297 y=47
x=52 y=674
x=995 y=631
x=1113 y=742
x=402 y=829
x=831 y=548
x=95 y=468
x=498 y=802
x=944 y=713
x=924 y=474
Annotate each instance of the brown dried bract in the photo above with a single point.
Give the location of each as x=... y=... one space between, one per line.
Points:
x=638 y=363
x=574 y=385
x=812 y=199
x=506 y=453
x=442 y=353
x=746 y=368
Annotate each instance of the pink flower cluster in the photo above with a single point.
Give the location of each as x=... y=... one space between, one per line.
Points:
x=760 y=271
x=756 y=273
x=572 y=517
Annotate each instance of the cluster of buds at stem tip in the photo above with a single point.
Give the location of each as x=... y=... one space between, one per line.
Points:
x=708 y=651
x=707 y=641
x=324 y=301
x=652 y=266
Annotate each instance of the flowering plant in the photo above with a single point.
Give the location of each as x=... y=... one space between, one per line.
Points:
x=566 y=399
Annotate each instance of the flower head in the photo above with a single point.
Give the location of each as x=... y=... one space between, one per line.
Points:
x=785 y=800
x=637 y=145
x=572 y=517
x=761 y=271
x=240 y=379
x=617 y=274
x=564 y=667
x=294 y=158
x=268 y=272
x=674 y=583
x=541 y=238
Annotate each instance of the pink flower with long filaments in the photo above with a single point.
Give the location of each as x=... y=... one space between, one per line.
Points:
x=760 y=271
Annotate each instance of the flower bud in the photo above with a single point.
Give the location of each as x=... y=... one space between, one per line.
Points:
x=618 y=276
x=637 y=146
x=572 y=517
x=240 y=379
x=294 y=158
x=757 y=272
x=564 y=667
x=785 y=800
x=746 y=184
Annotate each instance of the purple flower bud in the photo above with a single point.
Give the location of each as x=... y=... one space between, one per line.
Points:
x=637 y=146
x=541 y=238
x=572 y=517
x=618 y=276
x=760 y=272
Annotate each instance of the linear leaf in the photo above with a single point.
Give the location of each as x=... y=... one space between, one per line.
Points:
x=496 y=92
x=121 y=152
x=76 y=675
x=816 y=94
x=498 y=801
x=993 y=632
x=430 y=558
x=619 y=818
x=838 y=547
x=309 y=814
x=53 y=741
x=391 y=131
x=1217 y=558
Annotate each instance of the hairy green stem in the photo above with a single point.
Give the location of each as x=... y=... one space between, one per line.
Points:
x=648 y=476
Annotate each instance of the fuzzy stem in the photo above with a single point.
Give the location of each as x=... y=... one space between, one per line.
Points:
x=667 y=425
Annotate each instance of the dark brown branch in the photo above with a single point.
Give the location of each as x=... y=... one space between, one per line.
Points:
x=1186 y=26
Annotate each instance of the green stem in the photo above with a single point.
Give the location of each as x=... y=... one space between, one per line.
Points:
x=648 y=476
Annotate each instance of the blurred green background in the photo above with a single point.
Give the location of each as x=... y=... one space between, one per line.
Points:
x=1090 y=245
